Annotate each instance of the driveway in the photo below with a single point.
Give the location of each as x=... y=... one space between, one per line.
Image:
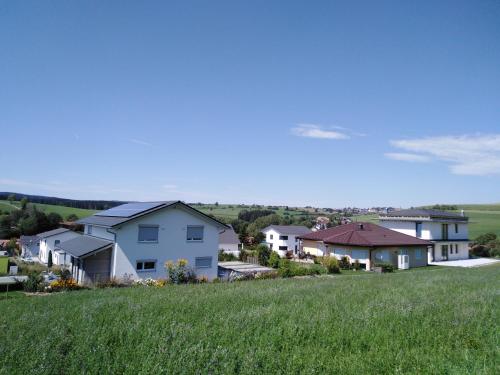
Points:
x=467 y=263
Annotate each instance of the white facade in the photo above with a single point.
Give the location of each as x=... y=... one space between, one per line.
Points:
x=129 y=254
x=49 y=244
x=450 y=236
x=230 y=248
x=282 y=242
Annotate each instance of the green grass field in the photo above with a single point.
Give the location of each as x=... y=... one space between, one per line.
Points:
x=439 y=321
x=47 y=208
x=232 y=211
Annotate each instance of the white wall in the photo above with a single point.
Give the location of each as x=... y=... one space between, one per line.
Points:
x=172 y=244
x=431 y=230
x=48 y=244
x=231 y=248
x=276 y=242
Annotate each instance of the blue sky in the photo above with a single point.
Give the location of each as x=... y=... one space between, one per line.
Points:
x=300 y=103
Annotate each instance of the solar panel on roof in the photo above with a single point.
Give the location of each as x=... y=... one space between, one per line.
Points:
x=129 y=209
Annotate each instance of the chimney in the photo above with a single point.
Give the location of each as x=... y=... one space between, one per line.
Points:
x=361 y=226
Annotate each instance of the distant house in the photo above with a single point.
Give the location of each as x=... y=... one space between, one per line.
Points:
x=49 y=244
x=447 y=230
x=229 y=241
x=367 y=243
x=134 y=240
x=284 y=238
x=30 y=246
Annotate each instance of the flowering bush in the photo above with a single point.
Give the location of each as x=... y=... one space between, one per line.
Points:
x=63 y=284
x=150 y=282
x=179 y=272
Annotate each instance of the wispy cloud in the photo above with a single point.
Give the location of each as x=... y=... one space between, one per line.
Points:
x=407 y=157
x=320 y=132
x=140 y=142
x=477 y=155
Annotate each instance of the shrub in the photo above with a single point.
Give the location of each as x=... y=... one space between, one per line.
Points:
x=345 y=263
x=289 y=254
x=266 y=275
x=288 y=268
x=226 y=257
x=274 y=260
x=263 y=254
x=386 y=267
x=64 y=284
x=179 y=272
x=356 y=265
x=331 y=264
x=285 y=268
x=480 y=251
x=34 y=283
x=486 y=238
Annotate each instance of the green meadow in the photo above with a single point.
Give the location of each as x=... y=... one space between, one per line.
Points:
x=64 y=211
x=434 y=321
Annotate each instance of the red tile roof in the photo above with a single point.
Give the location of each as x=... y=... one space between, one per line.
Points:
x=364 y=234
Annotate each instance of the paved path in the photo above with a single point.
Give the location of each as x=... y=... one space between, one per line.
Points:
x=467 y=263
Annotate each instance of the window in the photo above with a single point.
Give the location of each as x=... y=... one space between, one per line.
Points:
x=195 y=233
x=418 y=254
x=444 y=251
x=456 y=228
x=456 y=248
x=283 y=238
x=271 y=246
x=89 y=229
x=271 y=237
x=284 y=248
x=146 y=265
x=148 y=233
x=444 y=229
x=203 y=262
x=418 y=229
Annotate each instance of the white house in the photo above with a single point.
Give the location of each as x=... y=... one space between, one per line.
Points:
x=448 y=231
x=284 y=238
x=134 y=240
x=30 y=246
x=49 y=243
x=229 y=241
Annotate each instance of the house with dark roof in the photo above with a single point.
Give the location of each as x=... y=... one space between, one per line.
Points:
x=30 y=246
x=229 y=241
x=284 y=238
x=134 y=240
x=368 y=244
x=49 y=242
x=447 y=230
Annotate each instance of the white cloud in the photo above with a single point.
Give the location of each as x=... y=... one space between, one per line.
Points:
x=466 y=154
x=401 y=156
x=317 y=131
x=140 y=142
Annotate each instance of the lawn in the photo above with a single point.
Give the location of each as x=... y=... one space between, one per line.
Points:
x=439 y=320
x=64 y=211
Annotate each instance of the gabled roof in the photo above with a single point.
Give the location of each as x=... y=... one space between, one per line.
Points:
x=422 y=212
x=288 y=229
x=53 y=232
x=130 y=211
x=229 y=236
x=364 y=234
x=26 y=240
x=83 y=245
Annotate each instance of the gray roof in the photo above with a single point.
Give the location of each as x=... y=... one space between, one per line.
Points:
x=289 y=229
x=109 y=219
x=26 y=240
x=229 y=236
x=53 y=232
x=422 y=212
x=83 y=245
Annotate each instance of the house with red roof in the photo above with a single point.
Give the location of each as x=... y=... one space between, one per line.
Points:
x=367 y=243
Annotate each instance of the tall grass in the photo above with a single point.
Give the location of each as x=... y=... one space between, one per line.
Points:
x=439 y=321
